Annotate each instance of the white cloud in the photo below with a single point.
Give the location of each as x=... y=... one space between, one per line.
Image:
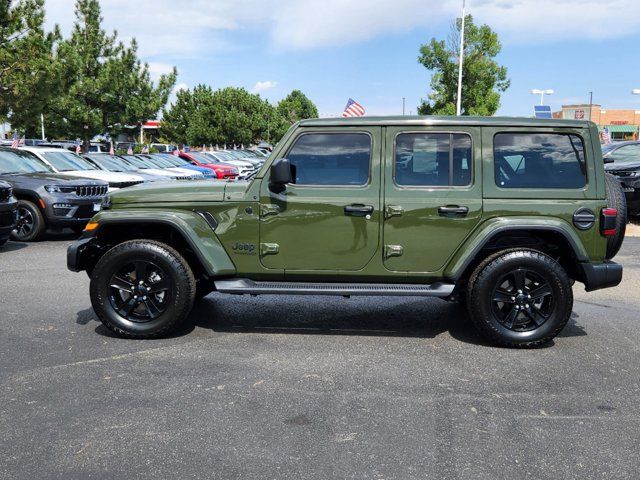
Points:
x=262 y=86
x=198 y=27
x=156 y=69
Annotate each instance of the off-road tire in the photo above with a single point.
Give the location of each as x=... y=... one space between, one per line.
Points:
x=486 y=277
x=38 y=223
x=617 y=200
x=180 y=278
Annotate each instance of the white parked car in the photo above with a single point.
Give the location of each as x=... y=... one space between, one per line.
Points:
x=147 y=165
x=64 y=161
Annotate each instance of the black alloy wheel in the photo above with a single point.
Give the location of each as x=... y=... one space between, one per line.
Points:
x=140 y=291
x=30 y=225
x=519 y=298
x=25 y=223
x=522 y=300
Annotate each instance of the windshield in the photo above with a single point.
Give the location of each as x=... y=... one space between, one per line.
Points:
x=250 y=153
x=110 y=163
x=142 y=164
x=202 y=157
x=233 y=154
x=171 y=160
x=21 y=162
x=64 y=161
x=158 y=162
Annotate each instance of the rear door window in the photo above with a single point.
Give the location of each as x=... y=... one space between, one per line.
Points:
x=539 y=160
x=433 y=159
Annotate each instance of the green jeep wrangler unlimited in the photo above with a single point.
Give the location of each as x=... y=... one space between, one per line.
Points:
x=502 y=214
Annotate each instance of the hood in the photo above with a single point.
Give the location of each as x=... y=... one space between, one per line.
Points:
x=171 y=192
x=34 y=180
x=111 y=177
x=620 y=166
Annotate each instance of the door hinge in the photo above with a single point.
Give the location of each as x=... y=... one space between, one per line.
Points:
x=269 y=248
x=268 y=209
x=393 y=251
x=393 y=211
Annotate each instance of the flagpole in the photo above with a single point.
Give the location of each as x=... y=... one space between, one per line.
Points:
x=42 y=124
x=459 y=99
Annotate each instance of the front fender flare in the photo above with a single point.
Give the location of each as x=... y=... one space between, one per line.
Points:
x=190 y=225
x=496 y=226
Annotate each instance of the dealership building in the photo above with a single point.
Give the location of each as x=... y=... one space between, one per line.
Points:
x=622 y=124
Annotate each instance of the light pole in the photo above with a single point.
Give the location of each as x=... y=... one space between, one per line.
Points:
x=636 y=91
x=459 y=99
x=403 y=106
x=542 y=93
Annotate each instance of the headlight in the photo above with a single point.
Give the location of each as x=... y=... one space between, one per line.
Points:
x=53 y=189
x=106 y=202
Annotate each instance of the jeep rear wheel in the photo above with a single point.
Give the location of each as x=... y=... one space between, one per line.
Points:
x=142 y=289
x=520 y=298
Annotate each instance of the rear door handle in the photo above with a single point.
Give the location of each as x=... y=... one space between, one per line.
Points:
x=453 y=211
x=358 y=210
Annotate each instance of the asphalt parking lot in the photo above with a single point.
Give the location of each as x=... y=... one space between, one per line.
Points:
x=310 y=387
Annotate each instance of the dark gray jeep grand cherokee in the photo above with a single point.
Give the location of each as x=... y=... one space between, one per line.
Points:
x=47 y=199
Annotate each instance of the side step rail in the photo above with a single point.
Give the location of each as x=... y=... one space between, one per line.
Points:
x=241 y=286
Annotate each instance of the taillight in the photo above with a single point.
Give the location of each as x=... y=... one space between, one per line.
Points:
x=608 y=221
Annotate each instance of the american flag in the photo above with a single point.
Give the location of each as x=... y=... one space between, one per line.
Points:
x=129 y=150
x=353 y=109
x=176 y=152
x=145 y=149
x=605 y=136
x=78 y=148
x=15 y=142
x=22 y=141
x=111 y=150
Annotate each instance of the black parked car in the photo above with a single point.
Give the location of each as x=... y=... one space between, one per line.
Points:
x=623 y=160
x=8 y=209
x=47 y=199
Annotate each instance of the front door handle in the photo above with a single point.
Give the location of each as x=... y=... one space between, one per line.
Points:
x=452 y=211
x=358 y=210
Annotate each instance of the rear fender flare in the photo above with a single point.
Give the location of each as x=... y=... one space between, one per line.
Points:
x=497 y=226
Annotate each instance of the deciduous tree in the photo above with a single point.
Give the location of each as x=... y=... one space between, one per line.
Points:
x=482 y=77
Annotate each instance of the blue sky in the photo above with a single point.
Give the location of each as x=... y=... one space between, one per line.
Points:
x=367 y=49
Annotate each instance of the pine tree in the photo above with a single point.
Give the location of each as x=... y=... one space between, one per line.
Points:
x=104 y=86
x=28 y=80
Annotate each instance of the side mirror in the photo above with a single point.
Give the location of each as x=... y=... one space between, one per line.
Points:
x=609 y=159
x=281 y=174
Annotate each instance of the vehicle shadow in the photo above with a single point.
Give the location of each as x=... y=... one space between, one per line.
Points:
x=364 y=316
x=12 y=246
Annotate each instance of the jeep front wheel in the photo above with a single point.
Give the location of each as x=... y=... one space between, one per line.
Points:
x=520 y=298
x=142 y=289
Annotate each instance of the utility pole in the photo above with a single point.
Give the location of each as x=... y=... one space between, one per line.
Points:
x=459 y=99
x=590 y=104
x=403 y=106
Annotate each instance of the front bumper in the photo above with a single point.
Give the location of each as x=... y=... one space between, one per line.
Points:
x=8 y=217
x=601 y=275
x=81 y=254
x=70 y=211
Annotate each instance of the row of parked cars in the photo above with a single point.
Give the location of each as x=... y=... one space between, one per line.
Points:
x=45 y=187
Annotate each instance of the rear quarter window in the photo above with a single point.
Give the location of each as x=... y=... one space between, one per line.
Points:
x=539 y=160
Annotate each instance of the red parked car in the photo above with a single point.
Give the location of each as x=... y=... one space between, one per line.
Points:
x=224 y=171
